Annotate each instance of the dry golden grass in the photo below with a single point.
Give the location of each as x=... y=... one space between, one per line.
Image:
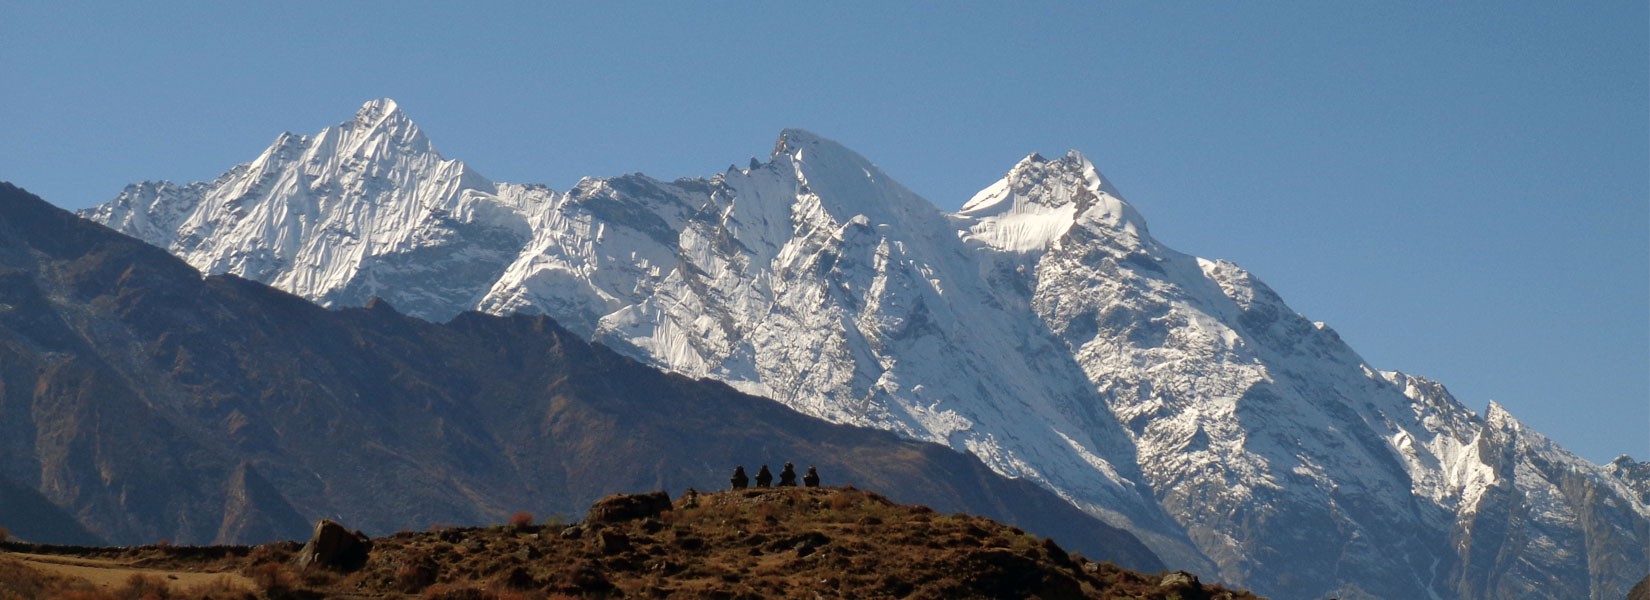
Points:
x=26 y=578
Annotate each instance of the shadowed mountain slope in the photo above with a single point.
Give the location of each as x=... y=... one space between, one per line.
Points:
x=149 y=402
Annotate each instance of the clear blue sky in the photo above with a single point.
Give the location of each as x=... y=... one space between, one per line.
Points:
x=1459 y=188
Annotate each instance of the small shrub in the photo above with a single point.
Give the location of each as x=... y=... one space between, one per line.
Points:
x=274 y=578
x=413 y=577
x=218 y=589
x=840 y=501
x=442 y=592
x=512 y=595
x=5 y=535
x=144 y=587
x=81 y=595
x=276 y=552
x=767 y=512
x=316 y=577
x=521 y=519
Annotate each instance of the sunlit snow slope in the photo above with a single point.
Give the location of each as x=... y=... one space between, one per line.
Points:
x=1040 y=328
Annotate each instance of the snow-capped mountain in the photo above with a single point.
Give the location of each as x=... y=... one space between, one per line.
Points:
x=1040 y=328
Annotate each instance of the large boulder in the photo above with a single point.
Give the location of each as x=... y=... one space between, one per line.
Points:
x=628 y=507
x=1640 y=591
x=333 y=547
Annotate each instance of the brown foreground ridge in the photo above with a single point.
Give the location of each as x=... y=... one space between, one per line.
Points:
x=786 y=542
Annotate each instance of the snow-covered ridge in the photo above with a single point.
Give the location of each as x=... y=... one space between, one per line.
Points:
x=1040 y=328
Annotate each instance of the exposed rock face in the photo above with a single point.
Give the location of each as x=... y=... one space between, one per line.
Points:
x=1633 y=473
x=628 y=507
x=254 y=509
x=332 y=546
x=1180 y=582
x=146 y=402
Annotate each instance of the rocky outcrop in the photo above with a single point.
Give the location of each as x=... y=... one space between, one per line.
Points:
x=1633 y=473
x=331 y=546
x=628 y=507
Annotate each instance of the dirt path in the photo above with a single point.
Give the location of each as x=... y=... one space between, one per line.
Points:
x=110 y=574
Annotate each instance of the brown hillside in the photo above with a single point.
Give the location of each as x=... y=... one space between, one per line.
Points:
x=786 y=542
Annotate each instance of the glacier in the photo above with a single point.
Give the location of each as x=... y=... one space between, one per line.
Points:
x=1040 y=328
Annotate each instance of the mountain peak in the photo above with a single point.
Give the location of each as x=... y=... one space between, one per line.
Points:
x=376 y=111
x=847 y=184
x=796 y=142
x=1074 y=164
x=1039 y=200
x=819 y=153
x=383 y=118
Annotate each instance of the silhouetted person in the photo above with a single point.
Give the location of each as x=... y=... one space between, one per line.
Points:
x=812 y=478
x=764 y=478
x=740 y=480
x=787 y=476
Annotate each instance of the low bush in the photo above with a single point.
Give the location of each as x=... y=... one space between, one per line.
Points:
x=273 y=577
x=144 y=587
x=521 y=520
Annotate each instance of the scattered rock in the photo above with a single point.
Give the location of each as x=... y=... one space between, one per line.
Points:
x=612 y=542
x=588 y=580
x=652 y=525
x=1180 y=580
x=520 y=579
x=528 y=553
x=663 y=566
x=1055 y=552
x=803 y=544
x=333 y=547
x=628 y=507
x=1001 y=573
